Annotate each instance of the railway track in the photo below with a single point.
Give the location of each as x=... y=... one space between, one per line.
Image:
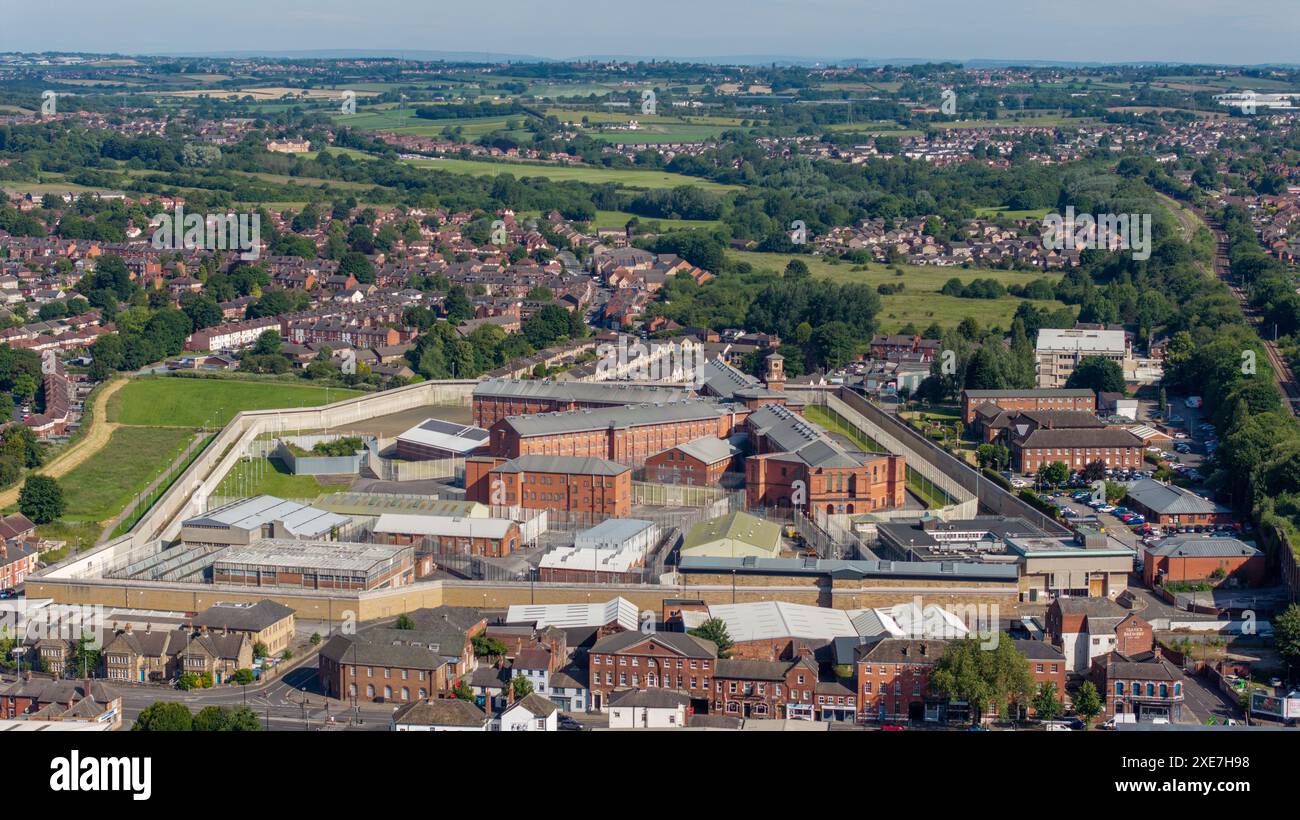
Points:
x=1283 y=375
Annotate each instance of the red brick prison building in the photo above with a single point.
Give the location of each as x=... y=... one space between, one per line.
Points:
x=699 y=463
x=1059 y=399
x=568 y=483
x=1076 y=448
x=1009 y=423
x=495 y=399
x=788 y=449
x=628 y=435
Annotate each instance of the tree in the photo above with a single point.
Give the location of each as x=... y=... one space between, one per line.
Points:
x=84 y=660
x=404 y=621
x=1286 y=635
x=1087 y=703
x=267 y=344
x=1097 y=373
x=243 y=677
x=226 y=719
x=715 y=629
x=1047 y=702
x=164 y=716
x=462 y=690
x=485 y=647
x=982 y=677
x=41 y=499
x=1055 y=473
x=521 y=687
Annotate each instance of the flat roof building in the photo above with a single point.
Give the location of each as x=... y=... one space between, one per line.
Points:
x=735 y=535
x=264 y=516
x=435 y=438
x=272 y=562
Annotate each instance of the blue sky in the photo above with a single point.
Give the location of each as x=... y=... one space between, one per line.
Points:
x=1245 y=31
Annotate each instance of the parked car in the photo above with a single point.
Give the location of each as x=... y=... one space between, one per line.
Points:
x=569 y=724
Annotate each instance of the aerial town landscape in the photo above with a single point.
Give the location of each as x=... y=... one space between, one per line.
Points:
x=371 y=392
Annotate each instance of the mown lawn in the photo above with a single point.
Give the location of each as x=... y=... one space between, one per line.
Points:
x=101 y=486
x=269 y=476
x=920 y=301
x=191 y=403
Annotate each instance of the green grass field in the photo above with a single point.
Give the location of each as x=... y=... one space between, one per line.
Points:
x=404 y=121
x=100 y=487
x=920 y=302
x=631 y=178
x=269 y=476
x=192 y=403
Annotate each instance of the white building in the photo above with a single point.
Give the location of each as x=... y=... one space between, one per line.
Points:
x=439 y=715
x=1059 y=351
x=648 y=709
x=533 y=713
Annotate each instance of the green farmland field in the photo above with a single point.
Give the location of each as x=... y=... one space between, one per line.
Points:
x=920 y=302
x=631 y=178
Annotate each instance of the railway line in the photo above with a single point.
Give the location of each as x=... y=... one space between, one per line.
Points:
x=1282 y=372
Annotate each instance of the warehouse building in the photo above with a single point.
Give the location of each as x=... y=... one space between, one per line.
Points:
x=447 y=535
x=264 y=516
x=435 y=438
x=276 y=562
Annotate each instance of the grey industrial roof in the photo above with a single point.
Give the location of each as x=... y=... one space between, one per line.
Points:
x=615 y=529
x=850 y=569
x=635 y=415
x=784 y=428
x=913 y=534
x=335 y=555
x=254 y=513
x=1194 y=546
x=573 y=465
x=446 y=435
x=766 y=620
x=649 y=698
x=611 y=392
x=709 y=449
x=1167 y=499
x=723 y=380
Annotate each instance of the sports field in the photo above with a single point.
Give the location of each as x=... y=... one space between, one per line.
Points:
x=194 y=403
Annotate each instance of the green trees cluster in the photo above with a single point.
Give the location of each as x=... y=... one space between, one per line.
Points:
x=984 y=678
x=170 y=716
